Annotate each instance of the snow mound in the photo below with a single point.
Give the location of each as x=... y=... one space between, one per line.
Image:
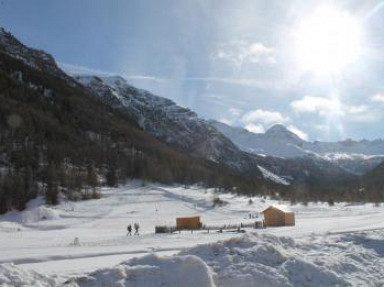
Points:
x=35 y=211
x=39 y=213
x=11 y=276
x=151 y=271
x=281 y=261
x=250 y=260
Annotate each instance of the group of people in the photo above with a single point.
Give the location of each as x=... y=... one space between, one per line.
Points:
x=136 y=226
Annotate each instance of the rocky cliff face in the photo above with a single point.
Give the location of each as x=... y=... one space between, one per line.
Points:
x=175 y=125
x=36 y=59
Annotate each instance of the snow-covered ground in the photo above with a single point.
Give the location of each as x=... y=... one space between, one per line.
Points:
x=329 y=245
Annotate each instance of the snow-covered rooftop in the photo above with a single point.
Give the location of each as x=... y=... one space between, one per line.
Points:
x=281 y=207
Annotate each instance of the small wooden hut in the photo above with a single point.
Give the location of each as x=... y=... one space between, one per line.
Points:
x=189 y=223
x=278 y=215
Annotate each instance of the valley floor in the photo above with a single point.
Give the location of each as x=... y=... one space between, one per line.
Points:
x=42 y=239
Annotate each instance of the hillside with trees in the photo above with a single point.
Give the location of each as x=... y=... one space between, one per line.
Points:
x=57 y=137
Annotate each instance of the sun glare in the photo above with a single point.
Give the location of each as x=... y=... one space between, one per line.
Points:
x=327 y=41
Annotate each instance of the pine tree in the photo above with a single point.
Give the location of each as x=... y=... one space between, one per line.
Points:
x=92 y=180
x=52 y=189
x=111 y=177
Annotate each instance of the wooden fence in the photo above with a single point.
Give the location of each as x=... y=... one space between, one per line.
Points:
x=219 y=228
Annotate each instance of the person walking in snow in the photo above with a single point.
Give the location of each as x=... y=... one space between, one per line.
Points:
x=129 y=229
x=136 y=225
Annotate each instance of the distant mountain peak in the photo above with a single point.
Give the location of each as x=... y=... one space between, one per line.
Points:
x=277 y=128
x=115 y=81
x=2 y=32
x=279 y=131
x=34 y=58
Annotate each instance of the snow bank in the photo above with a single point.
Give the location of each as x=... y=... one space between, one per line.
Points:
x=268 y=260
x=39 y=213
x=35 y=211
x=151 y=271
x=353 y=259
x=11 y=276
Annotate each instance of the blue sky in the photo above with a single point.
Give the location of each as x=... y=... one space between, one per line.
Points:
x=234 y=61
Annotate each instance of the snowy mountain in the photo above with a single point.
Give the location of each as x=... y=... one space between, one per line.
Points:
x=173 y=124
x=33 y=58
x=184 y=130
x=277 y=141
x=76 y=113
x=128 y=132
x=353 y=156
x=52 y=127
x=160 y=117
x=156 y=115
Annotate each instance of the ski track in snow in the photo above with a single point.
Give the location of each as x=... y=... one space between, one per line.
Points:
x=41 y=239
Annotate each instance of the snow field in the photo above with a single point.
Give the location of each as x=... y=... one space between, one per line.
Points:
x=266 y=260
x=328 y=246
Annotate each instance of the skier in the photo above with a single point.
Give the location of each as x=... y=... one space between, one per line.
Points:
x=136 y=225
x=129 y=229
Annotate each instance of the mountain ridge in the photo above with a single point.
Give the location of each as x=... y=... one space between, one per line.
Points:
x=183 y=129
x=107 y=124
x=354 y=156
x=55 y=135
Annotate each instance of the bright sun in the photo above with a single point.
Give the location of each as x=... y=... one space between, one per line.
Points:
x=327 y=41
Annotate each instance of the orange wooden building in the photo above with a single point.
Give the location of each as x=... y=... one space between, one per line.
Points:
x=278 y=215
x=188 y=223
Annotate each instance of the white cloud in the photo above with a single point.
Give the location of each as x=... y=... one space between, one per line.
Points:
x=269 y=84
x=357 y=109
x=257 y=53
x=263 y=116
x=329 y=108
x=226 y=121
x=362 y=114
x=239 y=52
x=378 y=98
x=143 y=78
x=83 y=70
x=301 y=134
x=321 y=127
x=235 y=112
x=319 y=105
x=255 y=128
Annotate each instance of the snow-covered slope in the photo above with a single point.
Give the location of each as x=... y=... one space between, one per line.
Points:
x=353 y=156
x=271 y=176
x=173 y=124
x=184 y=130
x=157 y=115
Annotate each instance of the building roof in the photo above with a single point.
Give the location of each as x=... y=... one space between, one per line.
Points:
x=283 y=208
x=189 y=217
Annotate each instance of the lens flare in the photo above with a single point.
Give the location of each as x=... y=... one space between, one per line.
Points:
x=327 y=41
